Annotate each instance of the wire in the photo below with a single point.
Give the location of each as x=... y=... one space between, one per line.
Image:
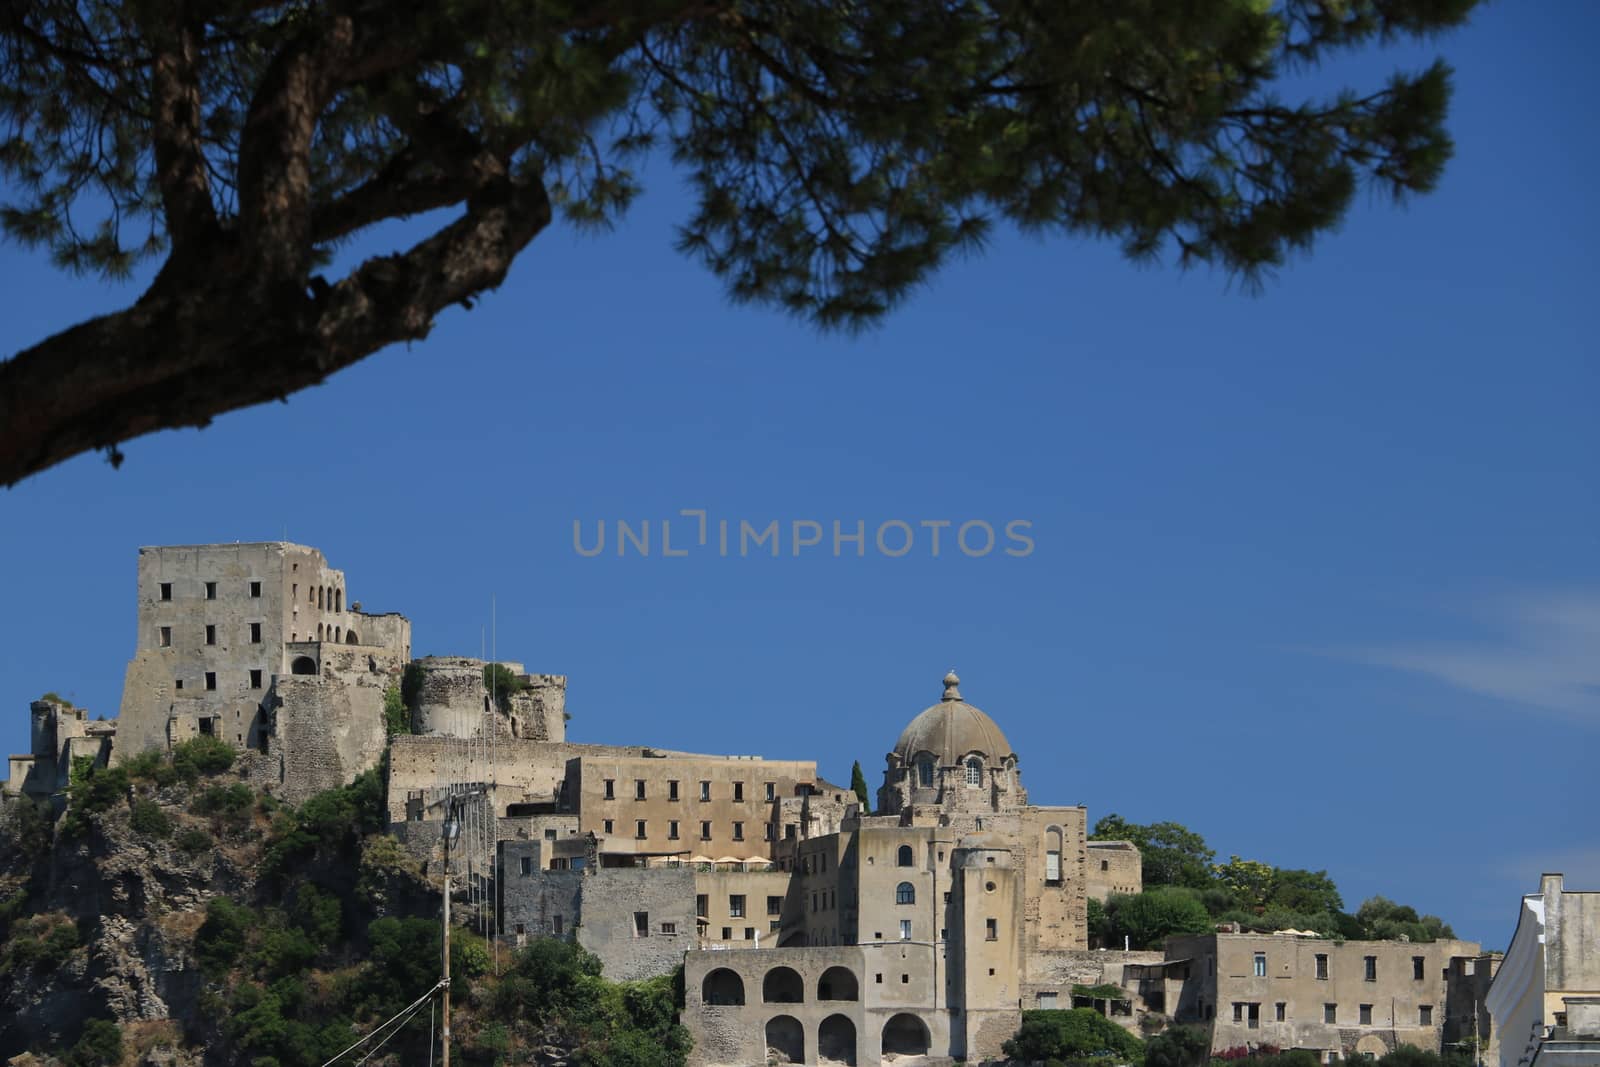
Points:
x=409 y=1009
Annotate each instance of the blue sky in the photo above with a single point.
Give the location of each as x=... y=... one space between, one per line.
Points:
x=1314 y=571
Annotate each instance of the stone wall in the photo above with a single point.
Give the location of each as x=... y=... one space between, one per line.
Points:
x=1114 y=867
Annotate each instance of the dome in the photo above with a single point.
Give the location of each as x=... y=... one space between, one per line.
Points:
x=951 y=729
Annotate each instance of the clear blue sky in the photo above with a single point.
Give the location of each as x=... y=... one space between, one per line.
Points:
x=1316 y=571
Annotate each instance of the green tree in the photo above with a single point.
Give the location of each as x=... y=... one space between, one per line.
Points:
x=1179 y=1046
x=1171 y=854
x=503 y=683
x=1148 y=918
x=1381 y=919
x=858 y=784
x=1249 y=881
x=837 y=154
x=1081 y=1032
x=1308 y=892
x=99 y=1046
x=396 y=717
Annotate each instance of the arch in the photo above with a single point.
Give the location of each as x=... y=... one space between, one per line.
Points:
x=350 y=638
x=320 y=591
x=319 y=631
x=338 y=600
x=786 y=1040
x=337 y=632
x=905 y=857
x=905 y=1035
x=836 y=1040
x=974 y=772
x=722 y=986
x=783 y=985
x=905 y=893
x=925 y=771
x=303 y=665
x=1054 y=849
x=838 y=983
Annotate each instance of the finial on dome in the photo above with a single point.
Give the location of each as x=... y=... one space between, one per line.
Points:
x=950 y=683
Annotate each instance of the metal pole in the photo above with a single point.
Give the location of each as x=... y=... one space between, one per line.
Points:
x=445 y=1014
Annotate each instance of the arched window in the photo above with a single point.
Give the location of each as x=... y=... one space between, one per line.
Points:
x=319 y=631
x=974 y=771
x=925 y=772
x=338 y=600
x=905 y=893
x=319 y=598
x=905 y=857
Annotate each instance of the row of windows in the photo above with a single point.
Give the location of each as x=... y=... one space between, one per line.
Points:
x=164 y=634
x=1419 y=967
x=641 y=830
x=640 y=790
x=736 y=905
x=257 y=676
x=1250 y=1013
x=973 y=768
x=254 y=588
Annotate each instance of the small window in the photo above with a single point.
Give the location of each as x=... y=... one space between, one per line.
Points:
x=527 y=865
x=555 y=925
x=1417 y=965
x=974 y=772
x=702 y=905
x=166 y=590
x=1366 y=1015
x=669 y=928
x=177 y=683
x=925 y=773
x=611 y=789
x=749 y=933
x=211 y=679
x=705 y=831
x=1279 y=1013
x=255 y=679
x=1105 y=865
x=1047 y=1001
x=1253 y=1016
x=774 y=905
x=705 y=790
x=1322 y=965
x=549 y=833
x=905 y=857
x=991 y=930
x=736 y=906
x=521 y=929
x=1052 y=866
x=166 y=637
x=638 y=789
x=638 y=829
x=672 y=790
x=768 y=831
x=905 y=893
x=772 y=790
x=1238 y=1012
x=608 y=826
x=641 y=924
x=905 y=979
x=905 y=929
x=1330 y=1013
x=738 y=790
x=1372 y=968
x=211 y=634
x=877 y=979
x=255 y=589
x=1261 y=965
x=788 y=831
x=1425 y=1015
x=738 y=831
x=727 y=933
x=255 y=633
x=211 y=590
x=672 y=830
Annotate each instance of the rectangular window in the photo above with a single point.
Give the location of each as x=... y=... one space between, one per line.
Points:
x=736 y=906
x=705 y=790
x=166 y=590
x=705 y=831
x=1417 y=965
x=774 y=905
x=1280 y=1011
x=521 y=929
x=611 y=789
x=255 y=679
x=255 y=633
x=672 y=830
x=1261 y=965
x=1372 y=968
x=641 y=924
x=727 y=933
x=1425 y=1015
x=749 y=933
x=527 y=865
x=702 y=905
x=166 y=637
x=555 y=925
x=609 y=826
x=788 y=832
x=991 y=929
x=738 y=831
x=177 y=683
x=1047 y=1001
x=211 y=634
x=669 y=928
x=1105 y=865
x=1238 y=1012
x=638 y=789
x=638 y=829
x=255 y=589
x=211 y=679
x=1330 y=1013
x=738 y=791
x=672 y=790
x=549 y=833
x=1052 y=867
x=1366 y=1015
x=211 y=590
x=1322 y=965
x=1253 y=1015
x=905 y=929
x=774 y=926
x=768 y=831
x=772 y=790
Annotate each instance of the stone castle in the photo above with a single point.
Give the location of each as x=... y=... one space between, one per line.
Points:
x=810 y=928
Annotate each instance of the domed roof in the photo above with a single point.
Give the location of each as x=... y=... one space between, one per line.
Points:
x=951 y=729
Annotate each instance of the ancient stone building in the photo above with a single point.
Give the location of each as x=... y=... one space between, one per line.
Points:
x=60 y=733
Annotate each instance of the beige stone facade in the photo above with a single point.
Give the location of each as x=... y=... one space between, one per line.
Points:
x=1544 y=1001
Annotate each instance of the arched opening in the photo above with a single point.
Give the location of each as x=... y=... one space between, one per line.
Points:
x=1053 y=851
x=319 y=631
x=836 y=1040
x=336 y=634
x=974 y=771
x=838 y=983
x=350 y=638
x=925 y=772
x=786 y=1040
x=782 y=985
x=722 y=986
x=338 y=600
x=319 y=597
x=905 y=1035
x=905 y=857
x=303 y=665
x=905 y=893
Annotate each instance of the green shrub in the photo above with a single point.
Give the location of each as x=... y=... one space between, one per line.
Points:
x=193 y=840
x=203 y=755
x=411 y=684
x=234 y=801
x=1081 y=1032
x=150 y=765
x=221 y=939
x=100 y=1045
x=502 y=683
x=1181 y=1046
x=149 y=819
x=396 y=717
